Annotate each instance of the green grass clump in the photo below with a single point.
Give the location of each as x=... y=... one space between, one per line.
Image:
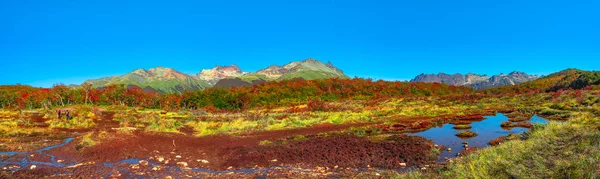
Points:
x=87 y=141
x=292 y=122
x=265 y=142
x=508 y=124
x=466 y=134
x=165 y=125
x=10 y=128
x=461 y=127
x=205 y=128
x=79 y=122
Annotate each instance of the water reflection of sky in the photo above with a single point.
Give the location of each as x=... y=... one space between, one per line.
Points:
x=487 y=130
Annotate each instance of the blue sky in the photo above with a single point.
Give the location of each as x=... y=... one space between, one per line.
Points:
x=68 y=41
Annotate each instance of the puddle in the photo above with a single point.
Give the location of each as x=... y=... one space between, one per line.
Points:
x=13 y=163
x=487 y=130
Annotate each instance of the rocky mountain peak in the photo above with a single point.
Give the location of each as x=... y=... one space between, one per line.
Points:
x=220 y=72
x=477 y=81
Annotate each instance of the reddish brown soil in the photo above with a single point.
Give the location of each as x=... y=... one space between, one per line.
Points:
x=340 y=150
x=497 y=141
x=143 y=145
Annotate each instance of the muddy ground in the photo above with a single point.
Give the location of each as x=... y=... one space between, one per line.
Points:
x=323 y=152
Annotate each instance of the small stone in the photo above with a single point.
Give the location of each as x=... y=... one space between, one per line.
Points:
x=166 y=161
x=466 y=143
x=32 y=155
x=274 y=160
x=449 y=149
x=230 y=168
x=423 y=168
x=336 y=167
x=32 y=167
x=204 y=161
x=160 y=159
x=368 y=166
x=435 y=145
x=5 y=168
x=402 y=165
x=60 y=161
x=182 y=164
x=156 y=168
x=135 y=166
x=179 y=156
x=168 y=177
x=377 y=174
x=143 y=162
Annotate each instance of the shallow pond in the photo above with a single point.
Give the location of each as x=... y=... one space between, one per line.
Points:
x=487 y=130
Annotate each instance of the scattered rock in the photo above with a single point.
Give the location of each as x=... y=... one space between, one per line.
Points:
x=115 y=174
x=32 y=167
x=135 y=166
x=168 y=177
x=182 y=164
x=160 y=159
x=179 y=156
x=449 y=149
x=143 y=163
x=156 y=168
x=230 y=168
x=402 y=165
x=377 y=174
x=60 y=161
x=423 y=168
x=274 y=160
x=204 y=161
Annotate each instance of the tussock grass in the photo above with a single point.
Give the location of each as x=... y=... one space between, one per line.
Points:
x=460 y=127
x=79 y=122
x=557 y=150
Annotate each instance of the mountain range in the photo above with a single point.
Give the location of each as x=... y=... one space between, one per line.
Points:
x=478 y=82
x=168 y=80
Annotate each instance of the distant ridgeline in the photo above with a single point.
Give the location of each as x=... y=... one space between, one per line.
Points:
x=271 y=93
x=478 y=82
x=563 y=80
x=167 y=80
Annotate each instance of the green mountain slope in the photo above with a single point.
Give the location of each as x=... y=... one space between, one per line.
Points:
x=168 y=80
x=162 y=79
x=307 y=69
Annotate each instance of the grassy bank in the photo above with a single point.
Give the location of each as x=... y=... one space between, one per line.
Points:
x=556 y=150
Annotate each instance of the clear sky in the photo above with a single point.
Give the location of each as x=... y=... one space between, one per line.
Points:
x=69 y=41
